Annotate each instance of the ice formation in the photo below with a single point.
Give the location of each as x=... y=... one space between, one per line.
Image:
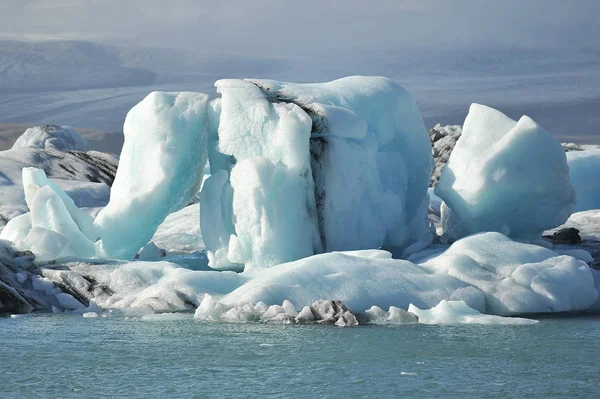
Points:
x=458 y=312
x=160 y=170
x=46 y=137
x=304 y=168
x=505 y=176
x=584 y=167
x=298 y=170
x=488 y=271
x=55 y=226
x=72 y=167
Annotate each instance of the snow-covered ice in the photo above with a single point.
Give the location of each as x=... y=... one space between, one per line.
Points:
x=74 y=171
x=160 y=170
x=46 y=137
x=505 y=176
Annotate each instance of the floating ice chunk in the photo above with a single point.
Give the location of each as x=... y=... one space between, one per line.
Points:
x=160 y=169
x=505 y=176
x=376 y=315
x=46 y=137
x=34 y=179
x=458 y=312
x=305 y=316
x=241 y=314
x=54 y=217
x=89 y=315
x=68 y=302
x=210 y=310
x=584 y=169
x=342 y=165
x=516 y=278
x=57 y=226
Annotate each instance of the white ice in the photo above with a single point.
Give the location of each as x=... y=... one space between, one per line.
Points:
x=160 y=170
x=261 y=211
x=458 y=312
x=46 y=137
x=489 y=272
x=55 y=227
x=505 y=176
x=304 y=168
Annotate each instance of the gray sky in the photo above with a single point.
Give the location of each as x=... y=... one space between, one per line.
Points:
x=287 y=28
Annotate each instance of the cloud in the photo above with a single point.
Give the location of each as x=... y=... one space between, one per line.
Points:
x=295 y=28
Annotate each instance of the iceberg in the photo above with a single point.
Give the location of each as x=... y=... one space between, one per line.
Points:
x=300 y=169
x=584 y=169
x=160 y=170
x=55 y=227
x=62 y=138
x=505 y=176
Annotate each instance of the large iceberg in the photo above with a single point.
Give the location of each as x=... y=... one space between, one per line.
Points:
x=584 y=167
x=160 y=170
x=505 y=176
x=300 y=169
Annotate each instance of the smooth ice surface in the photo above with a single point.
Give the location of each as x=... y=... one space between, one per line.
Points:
x=505 y=176
x=304 y=168
x=458 y=312
x=61 y=138
x=160 y=169
x=584 y=169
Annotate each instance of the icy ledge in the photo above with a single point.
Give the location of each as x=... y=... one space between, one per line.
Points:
x=488 y=272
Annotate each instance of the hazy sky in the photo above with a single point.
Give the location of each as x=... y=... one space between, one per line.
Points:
x=306 y=26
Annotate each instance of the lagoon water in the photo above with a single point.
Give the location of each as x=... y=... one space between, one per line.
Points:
x=53 y=356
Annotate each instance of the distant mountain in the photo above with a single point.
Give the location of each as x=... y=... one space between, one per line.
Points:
x=64 y=65
x=94 y=85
